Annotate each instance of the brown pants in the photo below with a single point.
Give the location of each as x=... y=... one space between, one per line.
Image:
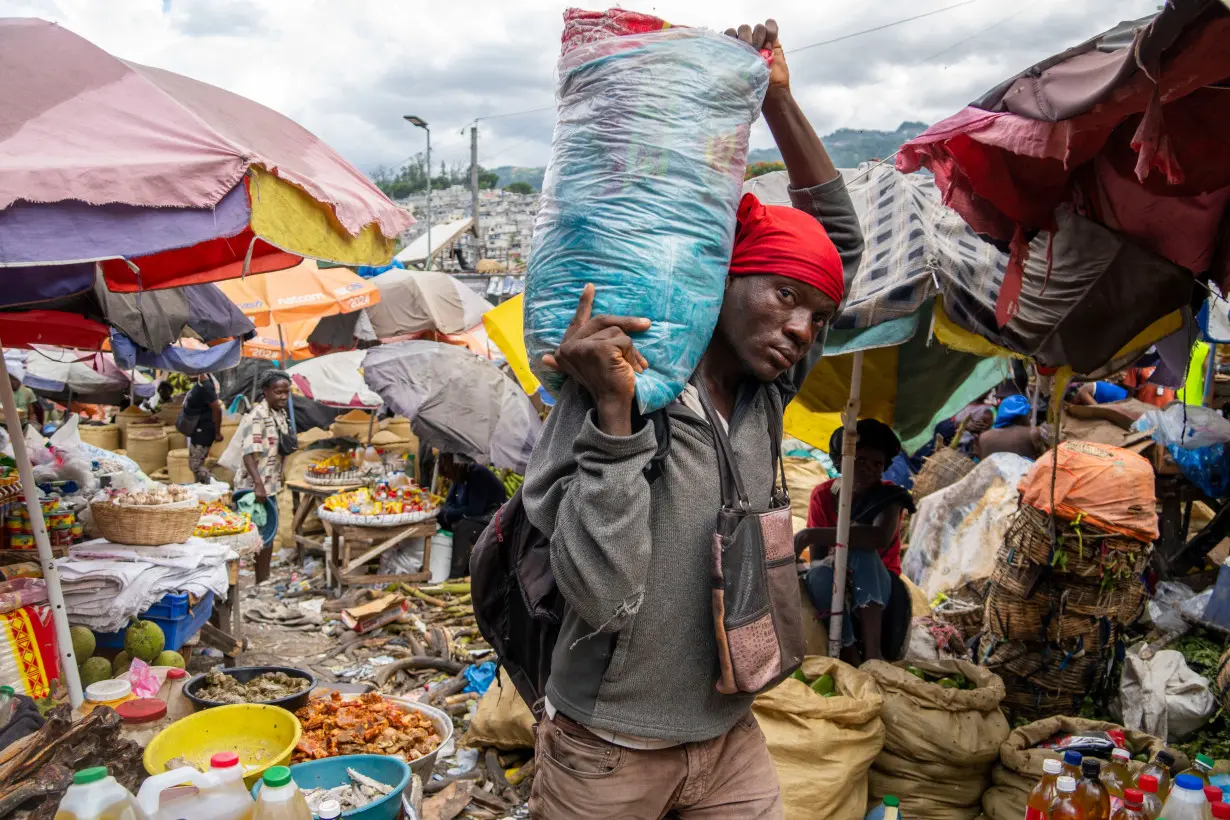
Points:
x=580 y=775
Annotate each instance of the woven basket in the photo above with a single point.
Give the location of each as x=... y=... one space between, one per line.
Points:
x=177 y=467
x=144 y=526
x=175 y=439
x=148 y=447
x=1083 y=551
x=168 y=413
x=400 y=427
x=1222 y=680
x=945 y=467
x=1025 y=698
x=963 y=609
x=106 y=436
x=1121 y=603
x=1050 y=667
x=1042 y=618
x=352 y=425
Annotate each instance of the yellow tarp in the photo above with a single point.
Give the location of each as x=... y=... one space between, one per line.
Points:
x=506 y=327
x=288 y=217
x=816 y=411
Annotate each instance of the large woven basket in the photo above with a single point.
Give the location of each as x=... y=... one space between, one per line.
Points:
x=148 y=446
x=1043 y=618
x=1222 y=680
x=963 y=608
x=1026 y=698
x=1082 y=550
x=1120 y=603
x=106 y=436
x=177 y=467
x=945 y=467
x=1049 y=667
x=144 y=526
x=175 y=439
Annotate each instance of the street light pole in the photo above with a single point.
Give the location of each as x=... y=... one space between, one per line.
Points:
x=419 y=122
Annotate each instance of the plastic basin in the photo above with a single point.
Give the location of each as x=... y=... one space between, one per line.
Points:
x=243 y=674
x=261 y=735
x=331 y=771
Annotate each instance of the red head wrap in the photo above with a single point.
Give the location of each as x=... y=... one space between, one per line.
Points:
x=773 y=239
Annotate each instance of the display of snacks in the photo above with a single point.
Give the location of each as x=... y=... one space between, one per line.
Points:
x=338 y=468
x=382 y=506
x=218 y=519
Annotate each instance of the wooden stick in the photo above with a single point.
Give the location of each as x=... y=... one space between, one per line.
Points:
x=385 y=673
x=415 y=592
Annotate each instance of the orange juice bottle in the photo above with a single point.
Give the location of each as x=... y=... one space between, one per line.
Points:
x=1147 y=784
x=1065 y=805
x=1043 y=794
x=1133 y=806
x=1091 y=793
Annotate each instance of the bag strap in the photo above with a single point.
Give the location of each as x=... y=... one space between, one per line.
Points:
x=733 y=493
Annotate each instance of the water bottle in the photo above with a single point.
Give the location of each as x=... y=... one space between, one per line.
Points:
x=889 y=809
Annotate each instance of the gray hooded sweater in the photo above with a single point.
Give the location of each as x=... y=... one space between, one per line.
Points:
x=636 y=653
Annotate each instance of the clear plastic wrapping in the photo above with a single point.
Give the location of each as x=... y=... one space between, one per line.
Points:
x=641 y=191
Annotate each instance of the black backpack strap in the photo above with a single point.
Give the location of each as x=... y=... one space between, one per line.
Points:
x=662 y=435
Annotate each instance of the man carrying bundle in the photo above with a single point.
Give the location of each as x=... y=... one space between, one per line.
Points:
x=636 y=726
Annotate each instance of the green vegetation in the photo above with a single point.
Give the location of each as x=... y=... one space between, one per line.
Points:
x=757 y=169
x=411 y=178
x=519 y=188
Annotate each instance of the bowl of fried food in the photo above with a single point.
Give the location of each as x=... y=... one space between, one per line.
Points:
x=372 y=724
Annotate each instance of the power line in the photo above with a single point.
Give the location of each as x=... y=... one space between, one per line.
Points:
x=977 y=33
x=902 y=21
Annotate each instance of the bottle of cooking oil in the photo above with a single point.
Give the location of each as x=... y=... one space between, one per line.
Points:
x=1094 y=797
x=1159 y=767
x=1133 y=806
x=280 y=798
x=1039 y=801
x=1147 y=784
x=1117 y=776
x=96 y=795
x=1066 y=806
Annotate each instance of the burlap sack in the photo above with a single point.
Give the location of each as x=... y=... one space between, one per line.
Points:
x=502 y=719
x=822 y=747
x=939 y=744
x=1020 y=761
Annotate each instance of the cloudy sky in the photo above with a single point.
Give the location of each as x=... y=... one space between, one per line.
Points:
x=349 y=69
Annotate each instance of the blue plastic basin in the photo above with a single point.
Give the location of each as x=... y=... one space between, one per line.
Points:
x=331 y=772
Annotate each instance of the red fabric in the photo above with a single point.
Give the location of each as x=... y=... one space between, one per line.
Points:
x=822 y=512
x=211 y=261
x=21 y=329
x=774 y=239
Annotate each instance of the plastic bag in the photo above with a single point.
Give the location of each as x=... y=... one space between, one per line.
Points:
x=641 y=190
x=21 y=592
x=145 y=683
x=1162 y=696
x=1166 y=607
x=1189 y=426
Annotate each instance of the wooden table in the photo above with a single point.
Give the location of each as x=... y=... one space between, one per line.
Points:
x=347 y=541
x=304 y=498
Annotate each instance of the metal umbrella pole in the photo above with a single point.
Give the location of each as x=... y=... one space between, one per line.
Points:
x=290 y=400
x=59 y=614
x=849 y=443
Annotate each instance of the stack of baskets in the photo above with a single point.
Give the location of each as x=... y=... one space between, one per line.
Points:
x=963 y=608
x=943 y=468
x=1062 y=594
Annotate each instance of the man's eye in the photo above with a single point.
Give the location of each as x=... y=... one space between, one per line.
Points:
x=819 y=319
x=785 y=293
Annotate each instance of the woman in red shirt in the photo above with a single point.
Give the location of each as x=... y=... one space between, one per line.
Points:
x=875 y=540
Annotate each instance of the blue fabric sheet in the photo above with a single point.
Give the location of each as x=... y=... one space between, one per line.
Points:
x=179 y=359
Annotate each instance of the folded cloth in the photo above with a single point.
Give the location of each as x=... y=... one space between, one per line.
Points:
x=25 y=720
x=247 y=503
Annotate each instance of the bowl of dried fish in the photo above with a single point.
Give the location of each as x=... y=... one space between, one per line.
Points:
x=282 y=686
x=372 y=724
x=368 y=787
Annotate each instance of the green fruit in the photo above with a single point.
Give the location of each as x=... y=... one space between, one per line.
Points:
x=169 y=658
x=799 y=676
x=947 y=683
x=916 y=672
x=94 y=670
x=824 y=685
x=144 y=640
x=120 y=665
x=830 y=694
x=83 y=643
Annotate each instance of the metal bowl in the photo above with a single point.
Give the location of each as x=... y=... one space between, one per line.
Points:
x=243 y=674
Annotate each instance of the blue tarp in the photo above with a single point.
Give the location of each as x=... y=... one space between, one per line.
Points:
x=179 y=359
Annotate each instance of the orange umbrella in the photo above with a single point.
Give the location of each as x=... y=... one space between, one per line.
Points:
x=285 y=306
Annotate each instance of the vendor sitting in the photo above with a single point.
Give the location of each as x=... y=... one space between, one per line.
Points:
x=475 y=495
x=874 y=544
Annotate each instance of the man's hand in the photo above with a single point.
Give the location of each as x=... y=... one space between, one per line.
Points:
x=259 y=492
x=218 y=436
x=764 y=37
x=598 y=353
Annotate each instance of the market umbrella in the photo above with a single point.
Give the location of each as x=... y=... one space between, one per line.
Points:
x=64 y=374
x=1120 y=138
x=163 y=179
x=335 y=379
x=456 y=401
x=419 y=301
x=286 y=305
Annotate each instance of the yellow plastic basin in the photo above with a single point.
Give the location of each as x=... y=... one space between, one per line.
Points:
x=261 y=735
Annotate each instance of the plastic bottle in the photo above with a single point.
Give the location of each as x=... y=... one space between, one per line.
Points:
x=1116 y=776
x=172 y=691
x=7 y=703
x=1065 y=806
x=1212 y=794
x=889 y=809
x=1186 y=800
x=1159 y=767
x=1220 y=811
x=1093 y=796
x=329 y=810
x=1133 y=806
x=1200 y=768
x=1039 y=801
x=280 y=798
x=218 y=794
x=1147 y=784
x=96 y=795
x=1072 y=765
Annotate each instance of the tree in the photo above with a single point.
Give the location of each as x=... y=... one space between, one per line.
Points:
x=519 y=188
x=487 y=179
x=757 y=169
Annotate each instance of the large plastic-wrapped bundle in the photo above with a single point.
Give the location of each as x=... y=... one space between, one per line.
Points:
x=641 y=191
